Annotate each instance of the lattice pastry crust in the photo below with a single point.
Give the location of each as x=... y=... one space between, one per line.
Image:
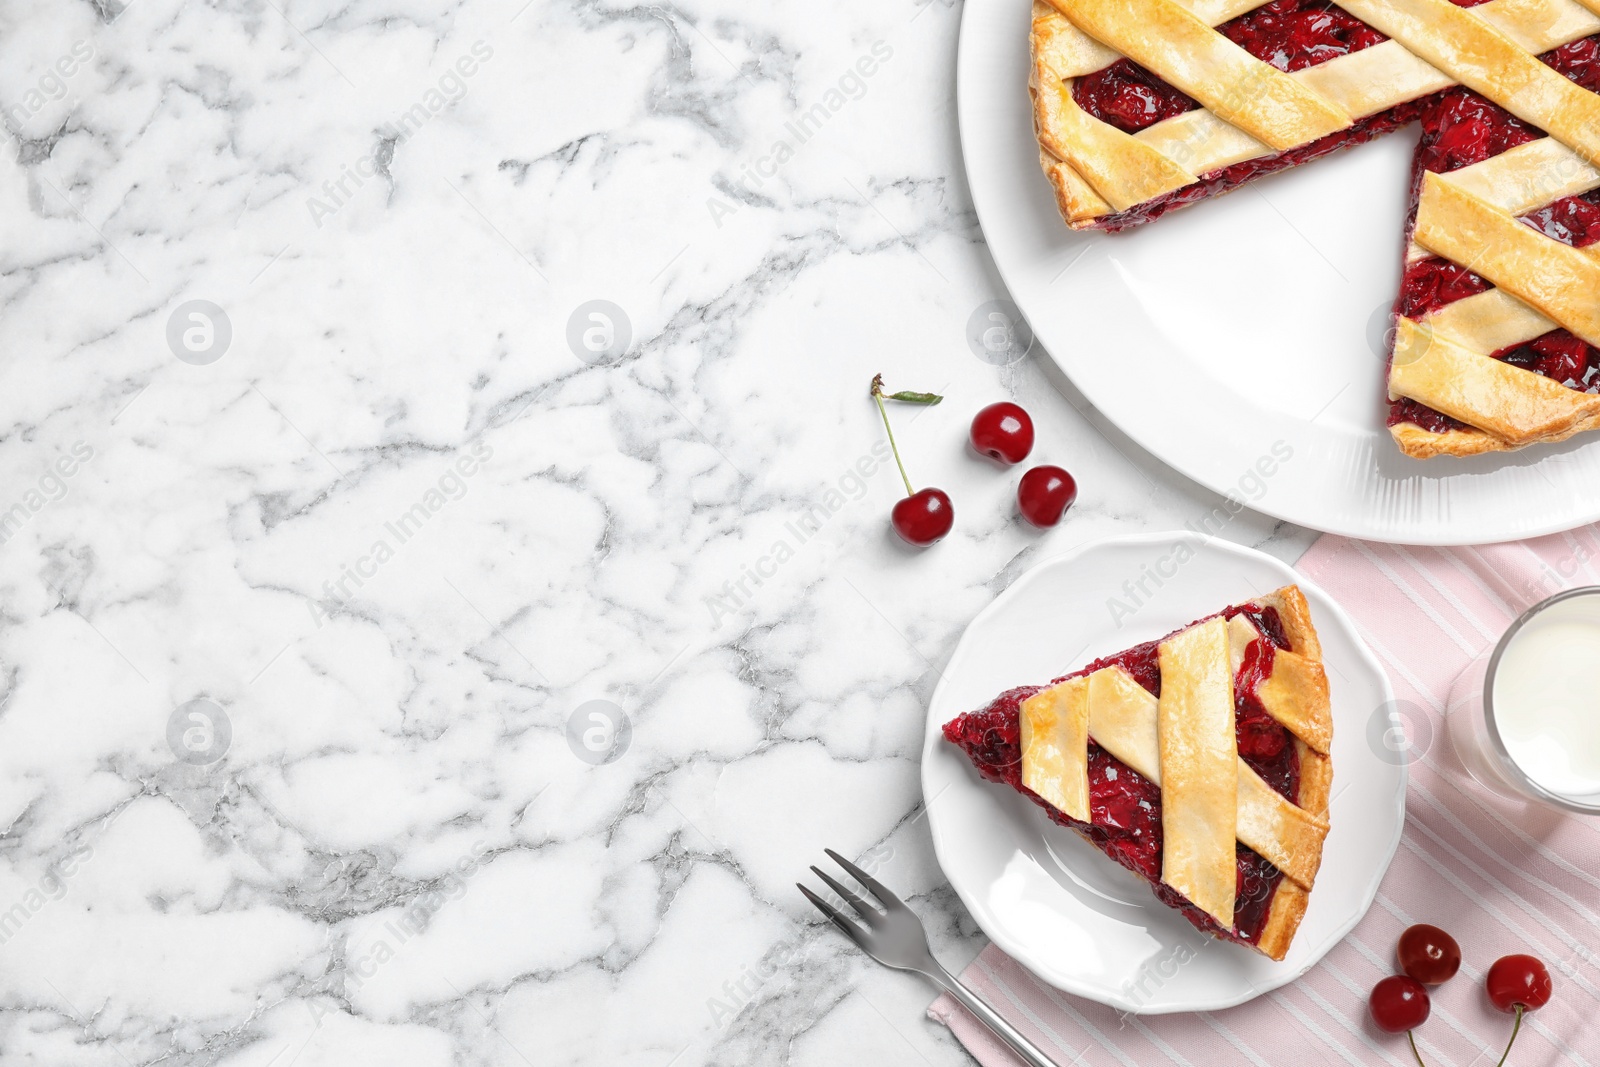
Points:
x=1184 y=742
x=1250 y=110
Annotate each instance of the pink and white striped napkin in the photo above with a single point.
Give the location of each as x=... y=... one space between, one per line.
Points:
x=1501 y=877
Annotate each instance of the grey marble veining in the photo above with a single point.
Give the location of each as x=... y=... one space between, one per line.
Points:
x=332 y=516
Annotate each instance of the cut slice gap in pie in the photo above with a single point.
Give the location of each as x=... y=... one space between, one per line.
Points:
x=1199 y=762
x=1142 y=106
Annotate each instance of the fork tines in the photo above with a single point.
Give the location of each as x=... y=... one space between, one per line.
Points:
x=868 y=913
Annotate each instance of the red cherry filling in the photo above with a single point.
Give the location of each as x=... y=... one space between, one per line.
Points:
x=1267 y=620
x=1578 y=60
x=1127 y=96
x=1462 y=128
x=1430 y=284
x=1125 y=806
x=1572 y=220
x=1263 y=742
x=992 y=737
x=1404 y=409
x=1295 y=34
x=1558 y=356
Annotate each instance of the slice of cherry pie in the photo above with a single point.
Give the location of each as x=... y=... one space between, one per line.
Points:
x=1142 y=106
x=1198 y=761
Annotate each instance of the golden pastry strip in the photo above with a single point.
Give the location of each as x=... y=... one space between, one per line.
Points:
x=1293 y=693
x=1539 y=25
x=1124 y=722
x=1199 y=797
x=1201 y=141
x=1488 y=322
x=1375 y=79
x=1513 y=404
x=1064 y=50
x=1055 y=734
x=1559 y=281
x=1522 y=179
x=1290 y=837
x=1527 y=177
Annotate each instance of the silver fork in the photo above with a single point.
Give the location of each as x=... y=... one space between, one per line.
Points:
x=895 y=938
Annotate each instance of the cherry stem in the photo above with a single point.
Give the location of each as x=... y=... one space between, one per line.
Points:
x=1515 y=1027
x=1411 y=1037
x=877 y=395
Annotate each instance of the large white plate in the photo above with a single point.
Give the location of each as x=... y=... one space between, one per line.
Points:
x=1051 y=900
x=1241 y=322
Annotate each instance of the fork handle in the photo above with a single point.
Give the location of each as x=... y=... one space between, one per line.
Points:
x=1027 y=1050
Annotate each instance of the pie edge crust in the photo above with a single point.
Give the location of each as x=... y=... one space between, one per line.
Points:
x=1290 y=901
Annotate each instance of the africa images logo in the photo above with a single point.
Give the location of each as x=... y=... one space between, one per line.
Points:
x=199 y=732
x=599 y=732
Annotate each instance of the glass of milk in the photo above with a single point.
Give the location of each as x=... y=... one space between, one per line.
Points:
x=1525 y=716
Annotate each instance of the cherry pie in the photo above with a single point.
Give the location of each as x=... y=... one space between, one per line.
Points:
x=1142 y=106
x=1198 y=761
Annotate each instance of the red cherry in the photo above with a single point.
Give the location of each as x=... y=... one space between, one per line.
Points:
x=1004 y=432
x=1428 y=954
x=923 y=517
x=1044 y=493
x=1398 y=1004
x=1516 y=981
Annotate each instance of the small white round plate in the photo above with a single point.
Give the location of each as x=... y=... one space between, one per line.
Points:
x=1051 y=900
x=1240 y=328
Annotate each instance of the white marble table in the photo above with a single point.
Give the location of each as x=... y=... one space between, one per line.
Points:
x=301 y=594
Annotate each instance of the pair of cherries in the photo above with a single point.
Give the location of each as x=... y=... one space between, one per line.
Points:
x=1399 y=1004
x=1003 y=432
